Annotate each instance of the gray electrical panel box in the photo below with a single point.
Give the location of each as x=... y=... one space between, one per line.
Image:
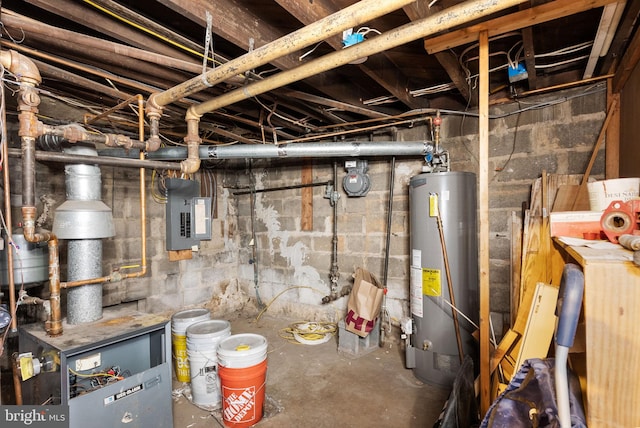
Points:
x=188 y=214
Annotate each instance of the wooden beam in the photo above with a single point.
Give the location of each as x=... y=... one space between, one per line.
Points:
x=244 y=26
x=483 y=199
x=515 y=21
x=628 y=64
x=612 y=146
x=306 y=216
x=98 y=21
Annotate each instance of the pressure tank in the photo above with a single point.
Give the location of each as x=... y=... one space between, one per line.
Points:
x=30 y=262
x=451 y=197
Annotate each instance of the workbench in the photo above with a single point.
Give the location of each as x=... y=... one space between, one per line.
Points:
x=606 y=354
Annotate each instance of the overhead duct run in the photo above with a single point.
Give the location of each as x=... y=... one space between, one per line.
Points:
x=295 y=150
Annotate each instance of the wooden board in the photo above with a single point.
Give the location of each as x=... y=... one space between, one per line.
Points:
x=541 y=322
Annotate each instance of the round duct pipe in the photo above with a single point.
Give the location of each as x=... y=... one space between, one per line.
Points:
x=83 y=219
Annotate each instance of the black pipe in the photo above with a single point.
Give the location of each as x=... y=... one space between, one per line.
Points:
x=273 y=189
x=94 y=160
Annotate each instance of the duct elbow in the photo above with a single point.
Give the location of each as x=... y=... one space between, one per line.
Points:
x=21 y=66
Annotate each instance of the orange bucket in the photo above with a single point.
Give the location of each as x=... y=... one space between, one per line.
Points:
x=242 y=394
x=242 y=368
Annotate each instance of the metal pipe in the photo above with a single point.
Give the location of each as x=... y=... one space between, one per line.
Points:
x=274 y=189
x=441 y=21
x=100 y=160
x=143 y=200
x=7 y=216
x=362 y=11
x=28 y=102
x=299 y=150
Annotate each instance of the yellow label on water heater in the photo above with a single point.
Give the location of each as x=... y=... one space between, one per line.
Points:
x=433 y=205
x=431 y=283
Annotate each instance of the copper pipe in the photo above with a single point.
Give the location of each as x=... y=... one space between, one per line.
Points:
x=143 y=201
x=8 y=220
x=17 y=385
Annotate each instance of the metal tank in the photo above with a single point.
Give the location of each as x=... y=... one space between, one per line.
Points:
x=30 y=261
x=432 y=351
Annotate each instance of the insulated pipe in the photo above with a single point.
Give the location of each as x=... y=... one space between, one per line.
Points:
x=362 y=11
x=102 y=160
x=441 y=21
x=299 y=150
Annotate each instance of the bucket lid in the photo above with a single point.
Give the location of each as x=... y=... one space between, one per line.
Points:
x=190 y=315
x=242 y=345
x=208 y=329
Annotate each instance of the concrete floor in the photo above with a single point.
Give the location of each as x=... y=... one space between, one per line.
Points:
x=315 y=385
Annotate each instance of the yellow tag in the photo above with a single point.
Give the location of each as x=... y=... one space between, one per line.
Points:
x=433 y=205
x=431 y=284
x=26 y=367
x=243 y=347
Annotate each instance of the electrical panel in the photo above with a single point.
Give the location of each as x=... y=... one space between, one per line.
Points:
x=188 y=214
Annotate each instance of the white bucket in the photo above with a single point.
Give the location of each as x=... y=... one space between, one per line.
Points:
x=242 y=350
x=602 y=193
x=180 y=321
x=202 y=344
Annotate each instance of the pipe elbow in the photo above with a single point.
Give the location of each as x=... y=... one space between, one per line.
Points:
x=190 y=165
x=192 y=114
x=21 y=66
x=153 y=108
x=153 y=143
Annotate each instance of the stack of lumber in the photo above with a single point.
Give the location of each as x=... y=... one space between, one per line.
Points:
x=533 y=296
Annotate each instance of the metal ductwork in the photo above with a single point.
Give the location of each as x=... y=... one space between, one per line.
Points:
x=84 y=220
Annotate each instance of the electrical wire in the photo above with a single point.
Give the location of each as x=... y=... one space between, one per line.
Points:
x=308 y=332
x=268 y=305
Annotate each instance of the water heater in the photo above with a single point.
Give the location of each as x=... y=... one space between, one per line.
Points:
x=432 y=346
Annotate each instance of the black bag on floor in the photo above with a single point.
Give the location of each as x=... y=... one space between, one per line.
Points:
x=530 y=399
x=461 y=408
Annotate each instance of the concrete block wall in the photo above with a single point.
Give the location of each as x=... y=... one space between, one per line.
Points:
x=554 y=132
x=292 y=266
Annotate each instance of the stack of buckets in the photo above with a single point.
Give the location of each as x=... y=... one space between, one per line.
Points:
x=180 y=321
x=224 y=369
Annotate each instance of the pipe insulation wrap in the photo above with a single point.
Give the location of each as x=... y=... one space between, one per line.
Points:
x=298 y=150
x=84 y=304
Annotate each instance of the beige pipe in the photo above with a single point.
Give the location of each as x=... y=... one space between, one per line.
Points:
x=441 y=21
x=356 y=14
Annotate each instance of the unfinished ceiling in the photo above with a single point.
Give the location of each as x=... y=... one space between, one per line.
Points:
x=94 y=54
